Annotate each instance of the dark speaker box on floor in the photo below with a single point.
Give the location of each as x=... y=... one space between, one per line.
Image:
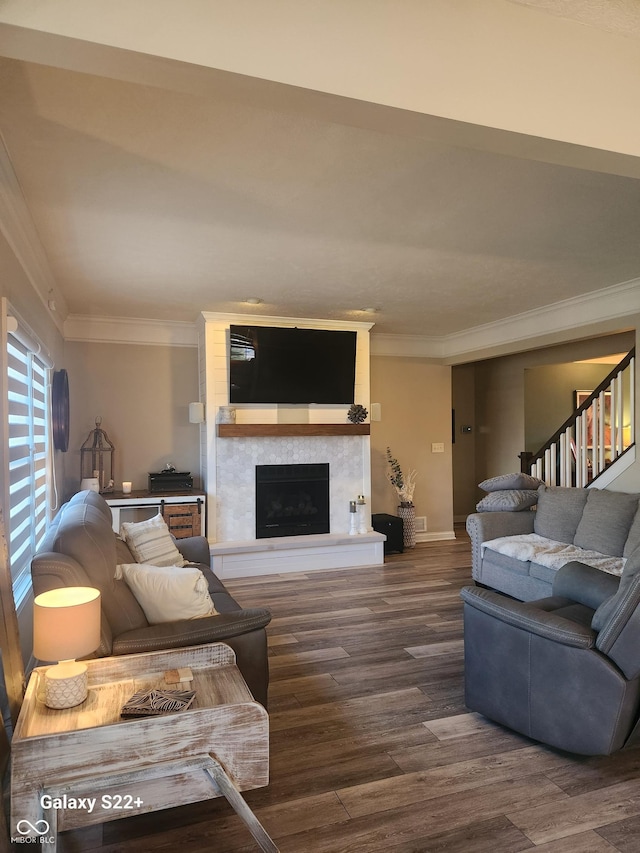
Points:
x=391 y=526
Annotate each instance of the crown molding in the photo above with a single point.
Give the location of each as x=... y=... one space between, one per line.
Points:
x=412 y=346
x=566 y=316
x=574 y=316
x=580 y=315
x=125 y=330
x=21 y=234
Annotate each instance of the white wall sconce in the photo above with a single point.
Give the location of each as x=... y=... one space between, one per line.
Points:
x=196 y=413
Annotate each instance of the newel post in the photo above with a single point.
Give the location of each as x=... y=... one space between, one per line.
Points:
x=525 y=461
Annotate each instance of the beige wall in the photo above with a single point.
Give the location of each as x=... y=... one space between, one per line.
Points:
x=415 y=395
x=142 y=394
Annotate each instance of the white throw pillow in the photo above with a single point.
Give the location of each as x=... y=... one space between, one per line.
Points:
x=150 y=542
x=168 y=593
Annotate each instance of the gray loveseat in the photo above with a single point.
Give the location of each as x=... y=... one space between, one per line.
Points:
x=519 y=553
x=81 y=549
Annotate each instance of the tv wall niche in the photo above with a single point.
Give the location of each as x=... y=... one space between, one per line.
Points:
x=270 y=364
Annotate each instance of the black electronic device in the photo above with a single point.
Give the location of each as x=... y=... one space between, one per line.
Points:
x=393 y=528
x=170 y=481
x=290 y=365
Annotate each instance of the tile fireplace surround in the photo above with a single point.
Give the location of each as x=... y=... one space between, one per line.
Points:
x=229 y=465
x=236 y=463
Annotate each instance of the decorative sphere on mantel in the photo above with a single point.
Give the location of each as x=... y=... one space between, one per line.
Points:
x=357 y=414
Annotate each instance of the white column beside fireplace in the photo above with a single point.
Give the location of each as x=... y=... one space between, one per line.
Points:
x=229 y=465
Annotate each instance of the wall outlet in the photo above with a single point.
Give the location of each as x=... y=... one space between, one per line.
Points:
x=437 y=447
x=421 y=524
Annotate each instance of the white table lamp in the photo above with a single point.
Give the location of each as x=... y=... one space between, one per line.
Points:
x=66 y=625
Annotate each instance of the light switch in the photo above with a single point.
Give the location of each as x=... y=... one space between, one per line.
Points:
x=437 y=447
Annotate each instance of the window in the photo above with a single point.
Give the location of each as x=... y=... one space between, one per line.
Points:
x=27 y=458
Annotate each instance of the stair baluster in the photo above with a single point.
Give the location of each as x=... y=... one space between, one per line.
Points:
x=593 y=437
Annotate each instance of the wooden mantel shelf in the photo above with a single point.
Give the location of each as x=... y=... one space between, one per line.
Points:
x=290 y=430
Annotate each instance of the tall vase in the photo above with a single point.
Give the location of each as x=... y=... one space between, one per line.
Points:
x=408 y=516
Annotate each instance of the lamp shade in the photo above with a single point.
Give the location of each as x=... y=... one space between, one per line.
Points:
x=66 y=623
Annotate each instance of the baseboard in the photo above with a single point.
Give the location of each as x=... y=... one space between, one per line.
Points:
x=437 y=536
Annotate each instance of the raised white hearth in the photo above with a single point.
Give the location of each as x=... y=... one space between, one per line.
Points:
x=297 y=554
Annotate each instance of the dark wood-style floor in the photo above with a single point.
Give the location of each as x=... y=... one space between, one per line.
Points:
x=372 y=748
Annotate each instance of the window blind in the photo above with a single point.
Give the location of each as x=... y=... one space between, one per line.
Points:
x=27 y=383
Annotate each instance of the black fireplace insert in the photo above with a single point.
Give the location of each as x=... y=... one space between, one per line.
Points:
x=292 y=500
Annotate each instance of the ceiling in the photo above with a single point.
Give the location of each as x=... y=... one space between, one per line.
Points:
x=156 y=203
x=618 y=16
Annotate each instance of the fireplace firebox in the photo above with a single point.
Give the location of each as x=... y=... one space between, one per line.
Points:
x=292 y=500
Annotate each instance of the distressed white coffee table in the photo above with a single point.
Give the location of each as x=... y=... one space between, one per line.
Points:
x=86 y=765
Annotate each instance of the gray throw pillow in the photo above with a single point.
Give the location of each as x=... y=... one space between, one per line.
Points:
x=510 y=481
x=605 y=522
x=508 y=500
x=559 y=512
x=611 y=606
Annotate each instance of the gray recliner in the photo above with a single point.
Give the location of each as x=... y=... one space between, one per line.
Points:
x=563 y=670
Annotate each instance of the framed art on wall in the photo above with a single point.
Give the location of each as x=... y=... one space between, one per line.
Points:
x=580 y=397
x=60 y=410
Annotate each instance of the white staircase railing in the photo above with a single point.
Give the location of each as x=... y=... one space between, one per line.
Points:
x=600 y=430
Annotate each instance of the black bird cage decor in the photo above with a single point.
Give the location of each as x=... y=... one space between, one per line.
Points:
x=96 y=458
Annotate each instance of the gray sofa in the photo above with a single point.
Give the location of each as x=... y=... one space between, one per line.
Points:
x=81 y=549
x=525 y=549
